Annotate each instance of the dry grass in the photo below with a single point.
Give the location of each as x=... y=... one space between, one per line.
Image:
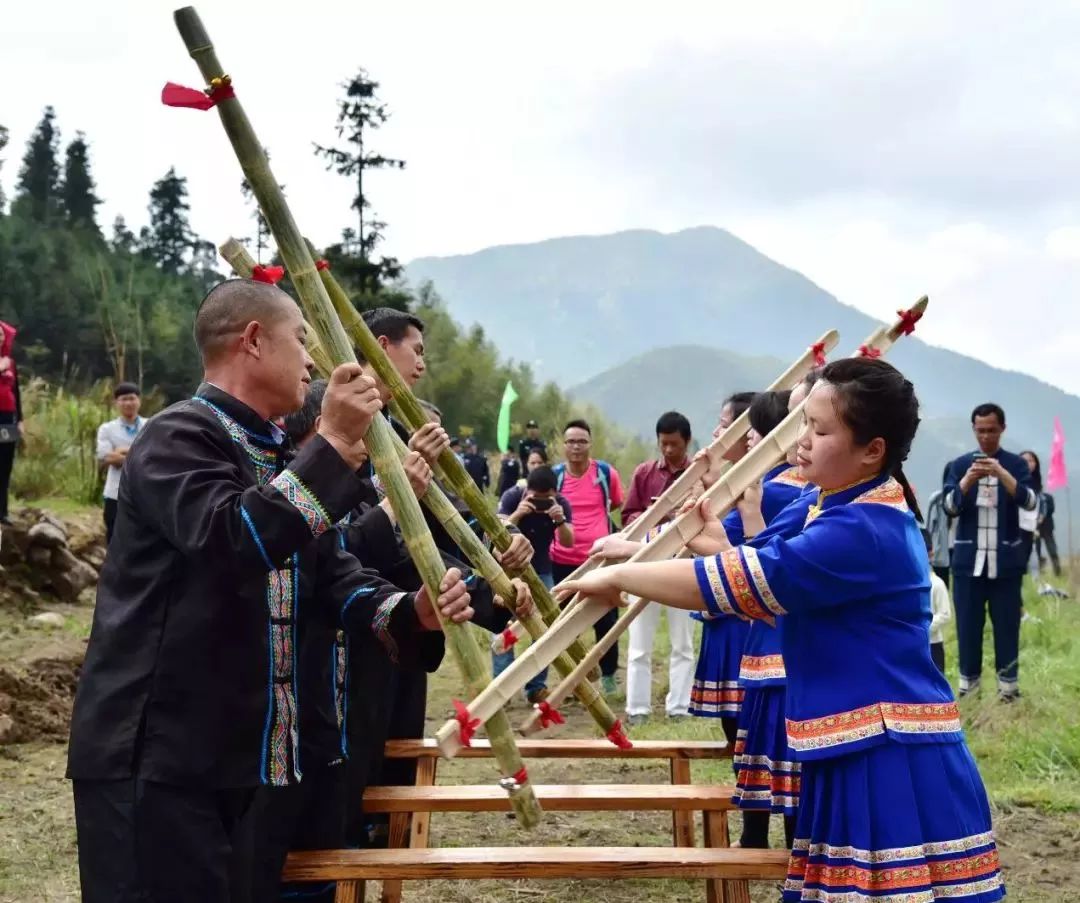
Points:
x=1029 y=755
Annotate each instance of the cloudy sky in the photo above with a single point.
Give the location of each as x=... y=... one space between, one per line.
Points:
x=885 y=150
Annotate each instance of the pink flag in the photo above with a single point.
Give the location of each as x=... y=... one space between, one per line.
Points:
x=1056 y=478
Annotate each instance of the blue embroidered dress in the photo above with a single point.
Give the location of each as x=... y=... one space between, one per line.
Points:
x=892 y=807
x=717 y=692
x=766 y=773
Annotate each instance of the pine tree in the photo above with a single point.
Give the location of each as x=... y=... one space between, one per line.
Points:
x=37 y=191
x=77 y=193
x=169 y=240
x=123 y=239
x=358 y=110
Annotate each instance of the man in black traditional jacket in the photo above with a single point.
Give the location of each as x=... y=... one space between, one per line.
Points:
x=187 y=700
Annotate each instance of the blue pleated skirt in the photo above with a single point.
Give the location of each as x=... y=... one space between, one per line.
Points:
x=716 y=692
x=896 y=823
x=767 y=777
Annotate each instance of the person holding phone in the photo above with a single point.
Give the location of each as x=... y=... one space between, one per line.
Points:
x=543 y=516
x=986 y=490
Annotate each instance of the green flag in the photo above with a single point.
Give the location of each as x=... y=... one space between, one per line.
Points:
x=502 y=429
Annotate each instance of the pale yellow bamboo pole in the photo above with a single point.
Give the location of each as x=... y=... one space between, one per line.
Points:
x=320 y=312
x=670 y=500
x=757 y=462
x=875 y=340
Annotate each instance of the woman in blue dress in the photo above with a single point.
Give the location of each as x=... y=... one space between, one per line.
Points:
x=892 y=807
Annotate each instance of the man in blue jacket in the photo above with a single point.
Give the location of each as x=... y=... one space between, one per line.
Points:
x=985 y=490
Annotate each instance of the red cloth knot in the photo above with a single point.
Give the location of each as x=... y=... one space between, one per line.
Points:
x=509 y=639
x=322 y=264
x=869 y=351
x=521 y=778
x=269 y=275
x=174 y=95
x=616 y=736
x=549 y=715
x=818 y=351
x=467 y=724
x=908 y=319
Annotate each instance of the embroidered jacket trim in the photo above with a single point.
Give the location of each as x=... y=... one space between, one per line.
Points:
x=303 y=500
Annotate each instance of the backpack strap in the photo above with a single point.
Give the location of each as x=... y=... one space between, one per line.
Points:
x=560 y=475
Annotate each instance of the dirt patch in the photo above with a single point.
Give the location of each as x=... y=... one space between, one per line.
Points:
x=36 y=704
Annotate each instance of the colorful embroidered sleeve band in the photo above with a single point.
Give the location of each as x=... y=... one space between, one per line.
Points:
x=304 y=500
x=734 y=583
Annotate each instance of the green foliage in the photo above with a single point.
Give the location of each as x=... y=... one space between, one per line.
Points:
x=57 y=456
x=359 y=110
x=169 y=240
x=39 y=179
x=77 y=193
x=3 y=144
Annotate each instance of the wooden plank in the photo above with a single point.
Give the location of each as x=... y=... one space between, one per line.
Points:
x=553 y=797
x=570 y=749
x=717 y=837
x=399 y=828
x=349 y=892
x=682 y=821
x=537 y=862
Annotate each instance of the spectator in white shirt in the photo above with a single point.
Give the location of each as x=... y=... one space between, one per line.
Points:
x=113 y=442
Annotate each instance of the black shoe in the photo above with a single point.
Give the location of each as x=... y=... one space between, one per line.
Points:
x=1010 y=697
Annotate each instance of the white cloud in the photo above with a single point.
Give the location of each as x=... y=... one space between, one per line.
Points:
x=885 y=150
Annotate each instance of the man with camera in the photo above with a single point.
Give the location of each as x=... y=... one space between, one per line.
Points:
x=543 y=517
x=985 y=490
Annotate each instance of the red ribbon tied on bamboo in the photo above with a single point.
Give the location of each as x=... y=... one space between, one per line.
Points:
x=818 y=350
x=618 y=737
x=509 y=639
x=549 y=715
x=467 y=725
x=908 y=319
x=869 y=351
x=174 y=95
x=322 y=264
x=269 y=275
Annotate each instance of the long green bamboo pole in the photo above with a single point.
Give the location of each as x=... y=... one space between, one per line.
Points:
x=757 y=461
x=481 y=559
x=449 y=469
x=320 y=313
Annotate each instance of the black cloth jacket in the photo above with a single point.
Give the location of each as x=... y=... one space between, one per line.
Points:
x=190 y=672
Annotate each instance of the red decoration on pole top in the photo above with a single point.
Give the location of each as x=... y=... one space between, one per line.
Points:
x=269 y=275
x=818 y=350
x=509 y=639
x=322 y=264
x=468 y=725
x=174 y=95
x=908 y=319
x=549 y=715
x=616 y=736
x=869 y=351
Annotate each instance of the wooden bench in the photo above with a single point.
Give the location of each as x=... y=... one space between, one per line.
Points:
x=720 y=867
x=679 y=755
x=714 y=802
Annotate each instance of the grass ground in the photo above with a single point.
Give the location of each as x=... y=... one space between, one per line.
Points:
x=1029 y=754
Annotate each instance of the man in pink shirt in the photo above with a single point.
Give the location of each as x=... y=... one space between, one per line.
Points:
x=594 y=490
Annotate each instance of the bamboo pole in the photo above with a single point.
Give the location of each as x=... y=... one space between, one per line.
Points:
x=452 y=471
x=238 y=257
x=670 y=500
x=320 y=312
x=769 y=452
x=878 y=339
